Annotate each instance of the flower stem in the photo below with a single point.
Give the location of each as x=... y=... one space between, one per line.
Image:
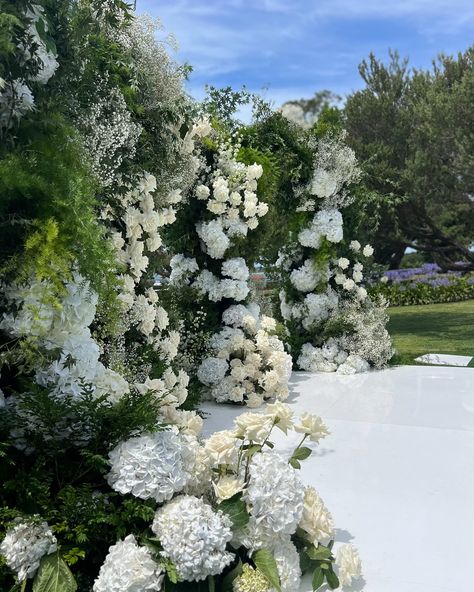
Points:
x=212 y=584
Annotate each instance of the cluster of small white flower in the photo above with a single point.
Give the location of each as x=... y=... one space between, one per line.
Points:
x=64 y=328
x=129 y=567
x=246 y=362
x=16 y=96
x=141 y=221
x=109 y=133
x=194 y=537
x=325 y=224
x=249 y=363
x=153 y=466
x=331 y=357
x=330 y=288
x=25 y=544
x=335 y=167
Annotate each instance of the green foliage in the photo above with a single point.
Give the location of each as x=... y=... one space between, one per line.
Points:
x=266 y=564
x=49 y=211
x=411 y=131
x=236 y=509
x=54 y=575
x=400 y=295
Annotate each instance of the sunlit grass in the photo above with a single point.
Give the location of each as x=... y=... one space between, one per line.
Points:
x=432 y=328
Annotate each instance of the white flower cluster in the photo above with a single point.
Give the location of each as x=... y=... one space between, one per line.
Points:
x=193 y=537
x=335 y=167
x=325 y=224
x=16 y=96
x=153 y=466
x=309 y=275
x=349 y=564
x=64 y=328
x=331 y=357
x=275 y=494
x=109 y=133
x=249 y=363
x=24 y=545
x=129 y=568
x=141 y=221
x=331 y=290
x=193 y=533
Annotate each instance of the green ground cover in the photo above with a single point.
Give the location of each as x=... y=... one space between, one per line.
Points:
x=432 y=328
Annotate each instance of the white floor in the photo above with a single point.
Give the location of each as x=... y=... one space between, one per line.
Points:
x=397 y=471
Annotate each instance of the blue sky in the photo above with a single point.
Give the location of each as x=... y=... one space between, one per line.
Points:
x=294 y=47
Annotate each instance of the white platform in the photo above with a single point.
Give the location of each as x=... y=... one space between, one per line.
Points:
x=397 y=472
x=444 y=360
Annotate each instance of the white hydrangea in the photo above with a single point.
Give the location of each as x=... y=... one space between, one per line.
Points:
x=323 y=183
x=64 y=328
x=353 y=364
x=316 y=519
x=25 y=544
x=288 y=564
x=274 y=494
x=306 y=277
x=236 y=269
x=194 y=537
x=239 y=315
x=349 y=564
x=182 y=269
x=355 y=246
x=129 y=568
x=214 y=238
x=153 y=466
x=212 y=370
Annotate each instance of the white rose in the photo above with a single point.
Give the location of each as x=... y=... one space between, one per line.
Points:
x=227 y=487
x=349 y=564
x=313 y=426
x=221 y=448
x=253 y=426
x=282 y=415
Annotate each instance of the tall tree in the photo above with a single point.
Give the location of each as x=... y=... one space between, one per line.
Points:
x=412 y=132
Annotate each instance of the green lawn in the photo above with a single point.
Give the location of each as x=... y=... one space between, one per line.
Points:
x=432 y=328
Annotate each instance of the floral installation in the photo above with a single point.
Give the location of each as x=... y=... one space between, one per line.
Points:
x=246 y=362
x=332 y=324
x=256 y=523
x=108 y=171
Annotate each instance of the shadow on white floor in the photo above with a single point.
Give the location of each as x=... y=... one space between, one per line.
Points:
x=397 y=471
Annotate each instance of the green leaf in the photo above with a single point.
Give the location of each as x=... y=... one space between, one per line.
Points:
x=318 y=578
x=332 y=579
x=54 y=576
x=267 y=565
x=319 y=553
x=294 y=463
x=228 y=579
x=302 y=453
x=236 y=510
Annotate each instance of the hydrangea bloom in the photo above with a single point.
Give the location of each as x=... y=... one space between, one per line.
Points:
x=288 y=564
x=193 y=537
x=274 y=494
x=24 y=546
x=153 y=466
x=250 y=580
x=129 y=568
